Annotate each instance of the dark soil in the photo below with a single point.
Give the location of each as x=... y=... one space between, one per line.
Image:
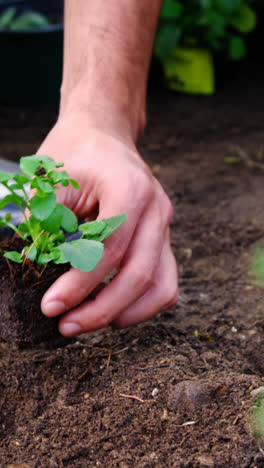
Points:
x=21 y=290
x=196 y=363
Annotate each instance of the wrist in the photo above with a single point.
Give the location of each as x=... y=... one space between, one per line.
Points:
x=114 y=109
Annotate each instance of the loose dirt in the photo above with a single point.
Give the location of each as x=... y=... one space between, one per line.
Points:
x=175 y=391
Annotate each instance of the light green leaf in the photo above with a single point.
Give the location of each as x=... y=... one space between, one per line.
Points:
x=92 y=228
x=53 y=222
x=111 y=225
x=69 y=220
x=74 y=184
x=30 y=164
x=14 y=256
x=29 y=20
x=6 y=176
x=31 y=252
x=12 y=198
x=6 y=17
x=82 y=254
x=59 y=257
x=257 y=418
x=23 y=227
x=42 y=208
x=59 y=176
x=42 y=185
x=44 y=258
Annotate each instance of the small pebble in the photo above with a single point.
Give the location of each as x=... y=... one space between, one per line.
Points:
x=154 y=392
x=257 y=391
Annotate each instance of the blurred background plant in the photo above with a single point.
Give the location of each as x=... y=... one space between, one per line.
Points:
x=12 y=20
x=31 y=42
x=189 y=32
x=257 y=420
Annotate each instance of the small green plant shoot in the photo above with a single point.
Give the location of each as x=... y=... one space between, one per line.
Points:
x=45 y=221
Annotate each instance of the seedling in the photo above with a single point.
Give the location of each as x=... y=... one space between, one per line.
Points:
x=45 y=221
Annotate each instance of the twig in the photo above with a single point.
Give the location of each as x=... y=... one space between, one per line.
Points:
x=108 y=359
x=120 y=351
x=132 y=397
x=10 y=269
x=248 y=161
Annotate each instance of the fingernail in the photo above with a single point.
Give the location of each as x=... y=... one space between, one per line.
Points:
x=70 y=329
x=51 y=309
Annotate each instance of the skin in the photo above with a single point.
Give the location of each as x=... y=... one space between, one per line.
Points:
x=107 y=51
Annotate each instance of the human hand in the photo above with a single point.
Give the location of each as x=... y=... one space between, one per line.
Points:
x=114 y=179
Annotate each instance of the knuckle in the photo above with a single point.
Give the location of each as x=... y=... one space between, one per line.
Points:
x=142 y=280
x=114 y=252
x=103 y=320
x=145 y=186
x=168 y=210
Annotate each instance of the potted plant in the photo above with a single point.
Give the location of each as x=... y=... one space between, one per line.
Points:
x=190 y=32
x=31 y=42
x=38 y=251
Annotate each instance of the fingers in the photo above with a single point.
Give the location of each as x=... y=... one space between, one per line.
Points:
x=132 y=281
x=162 y=294
x=74 y=286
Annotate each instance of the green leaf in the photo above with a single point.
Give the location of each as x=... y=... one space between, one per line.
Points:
x=2 y=222
x=30 y=164
x=29 y=20
x=167 y=39
x=14 y=256
x=59 y=176
x=171 y=9
x=7 y=17
x=12 y=198
x=92 y=228
x=59 y=257
x=5 y=177
x=237 y=48
x=23 y=227
x=35 y=227
x=42 y=185
x=42 y=208
x=82 y=254
x=30 y=252
x=111 y=225
x=245 y=19
x=44 y=258
x=53 y=222
x=20 y=179
x=74 y=183
x=69 y=220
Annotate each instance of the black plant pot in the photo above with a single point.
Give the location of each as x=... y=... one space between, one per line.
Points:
x=31 y=61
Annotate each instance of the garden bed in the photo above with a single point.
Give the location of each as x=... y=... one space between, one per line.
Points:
x=71 y=407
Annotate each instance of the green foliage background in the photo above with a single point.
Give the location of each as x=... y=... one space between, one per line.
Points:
x=217 y=25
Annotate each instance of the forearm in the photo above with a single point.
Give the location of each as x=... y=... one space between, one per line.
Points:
x=107 y=51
